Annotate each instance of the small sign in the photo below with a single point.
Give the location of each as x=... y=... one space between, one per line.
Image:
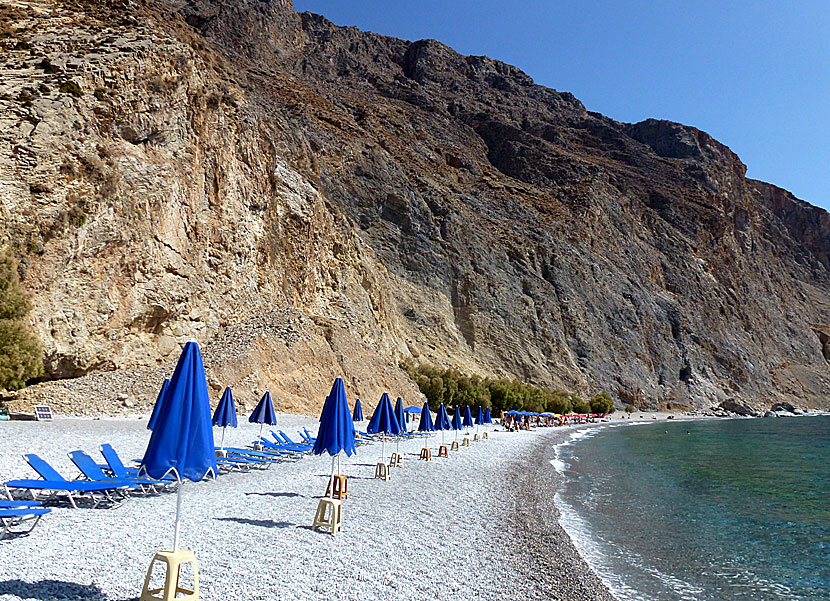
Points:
x=43 y=413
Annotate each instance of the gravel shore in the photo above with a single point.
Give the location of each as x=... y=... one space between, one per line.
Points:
x=545 y=555
x=479 y=525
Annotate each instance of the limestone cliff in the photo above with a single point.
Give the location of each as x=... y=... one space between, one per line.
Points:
x=308 y=201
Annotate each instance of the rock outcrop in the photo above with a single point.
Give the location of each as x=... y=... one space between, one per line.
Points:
x=331 y=201
x=738 y=408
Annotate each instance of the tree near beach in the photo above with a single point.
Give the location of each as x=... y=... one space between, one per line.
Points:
x=453 y=388
x=21 y=356
x=601 y=403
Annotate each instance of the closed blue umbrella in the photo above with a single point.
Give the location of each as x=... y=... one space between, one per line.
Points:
x=456 y=421
x=479 y=418
x=336 y=431
x=442 y=418
x=426 y=425
x=264 y=412
x=182 y=439
x=357 y=416
x=487 y=419
x=157 y=407
x=399 y=413
x=442 y=421
x=468 y=418
x=384 y=421
x=225 y=414
x=401 y=417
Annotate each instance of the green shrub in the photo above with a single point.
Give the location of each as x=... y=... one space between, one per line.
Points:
x=629 y=408
x=560 y=402
x=70 y=87
x=601 y=403
x=451 y=387
x=581 y=406
x=13 y=301
x=21 y=356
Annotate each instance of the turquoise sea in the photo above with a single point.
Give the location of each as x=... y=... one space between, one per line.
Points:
x=715 y=510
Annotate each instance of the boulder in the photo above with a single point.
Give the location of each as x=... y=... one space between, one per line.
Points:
x=783 y=406
x=738 y=408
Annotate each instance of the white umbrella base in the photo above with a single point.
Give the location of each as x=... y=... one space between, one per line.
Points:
x=329 y=515
x=172 y=590
x=382 y=471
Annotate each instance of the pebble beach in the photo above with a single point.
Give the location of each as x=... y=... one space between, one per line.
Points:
x=480 y=524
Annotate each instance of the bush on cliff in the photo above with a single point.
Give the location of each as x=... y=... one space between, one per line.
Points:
x=21 y=356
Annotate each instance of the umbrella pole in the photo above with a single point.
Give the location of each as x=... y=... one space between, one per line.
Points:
x=331 y=480
x=178 y=515
x=260 y=429
x=383 y=448
x=222 y=444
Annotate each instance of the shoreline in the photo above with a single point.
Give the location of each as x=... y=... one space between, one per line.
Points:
x=551 y=560
x=558 y=565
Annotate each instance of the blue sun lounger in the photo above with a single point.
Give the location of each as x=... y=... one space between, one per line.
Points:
x=56 y=485
x=289 y=441
x=260 y=455
x=281 y=447
x=283 y=439
x=245 y=462
x=13 y=514
x=307 y=436
x=119 y=470
x=92 y=471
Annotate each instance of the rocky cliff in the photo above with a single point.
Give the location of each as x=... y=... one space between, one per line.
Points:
x=308 y=200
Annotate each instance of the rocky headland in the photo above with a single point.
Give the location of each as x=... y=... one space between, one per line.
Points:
x=308 y=200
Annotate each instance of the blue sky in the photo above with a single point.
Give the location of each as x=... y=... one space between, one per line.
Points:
x=755 y=75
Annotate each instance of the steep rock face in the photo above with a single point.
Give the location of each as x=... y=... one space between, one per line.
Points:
x=241 y=158
x=157 y=207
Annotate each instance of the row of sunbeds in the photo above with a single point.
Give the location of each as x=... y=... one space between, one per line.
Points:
x=111 y=482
